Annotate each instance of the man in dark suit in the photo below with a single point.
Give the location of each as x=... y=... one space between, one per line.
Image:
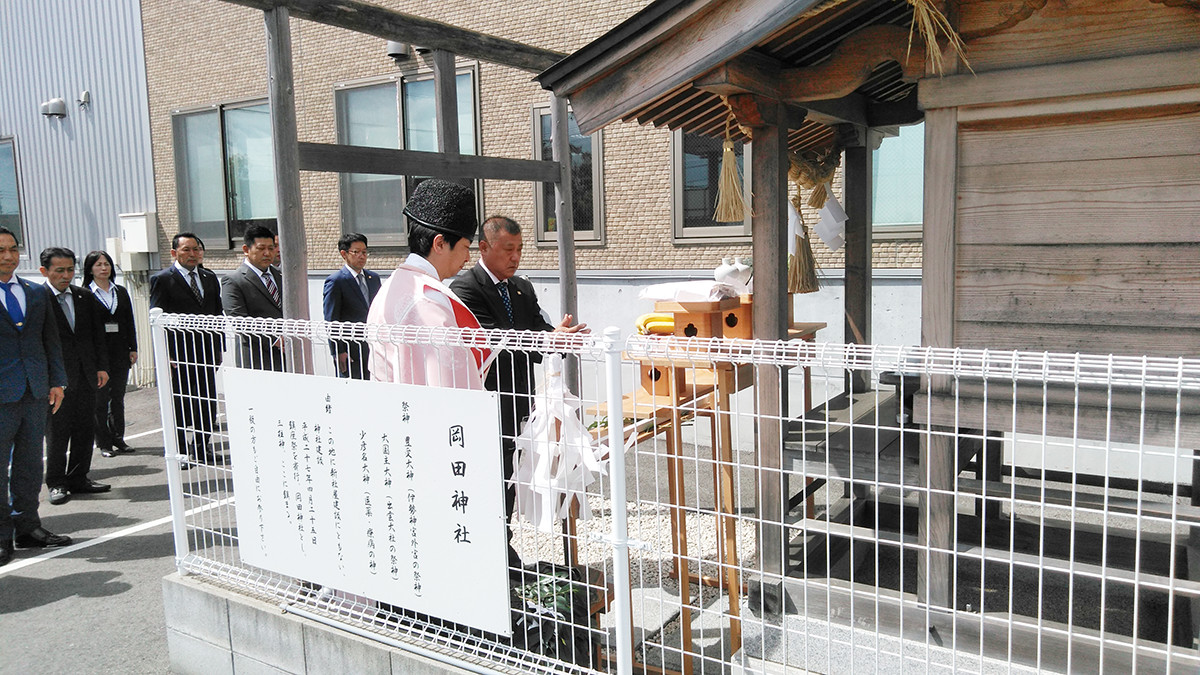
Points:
x=31 y=373
x=500 y=299
x=347 y=297
x=187 y=288
x=255 y=289
x=72 y=430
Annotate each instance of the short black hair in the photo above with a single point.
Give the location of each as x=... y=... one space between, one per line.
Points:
x=350 y=238
x=91 y=259
x=495 y=224
x=49 y=254
x=420 y=238
x=5 y=230
x=186 y=235
x=256 y=232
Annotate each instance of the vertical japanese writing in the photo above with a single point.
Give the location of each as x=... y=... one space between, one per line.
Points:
x=309 y=485
x=458 y=469
x=410 y=475
x=259 y=505
x=297 y=475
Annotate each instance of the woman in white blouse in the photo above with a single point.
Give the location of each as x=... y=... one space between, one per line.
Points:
x=121 y=336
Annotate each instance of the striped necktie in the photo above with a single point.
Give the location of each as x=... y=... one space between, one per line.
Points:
x=272 y=288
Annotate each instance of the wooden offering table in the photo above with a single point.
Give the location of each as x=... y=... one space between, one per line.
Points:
x=675 y=390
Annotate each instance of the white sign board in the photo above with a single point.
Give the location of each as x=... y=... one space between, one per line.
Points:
x=389 y=491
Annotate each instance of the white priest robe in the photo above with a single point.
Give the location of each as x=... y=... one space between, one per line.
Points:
x=414 y=296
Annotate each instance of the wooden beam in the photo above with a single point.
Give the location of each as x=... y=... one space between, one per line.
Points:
x=281 y=100
x=1062 y=80
x=750 y=73
x=902 y=112
x=358 y=159
x=850 y=65
x=723 y=31
x=389 y=24
x=849 y=109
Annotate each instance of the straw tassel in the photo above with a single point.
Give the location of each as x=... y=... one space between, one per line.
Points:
x=731 y=206
x=802 y=267
x=930 y=22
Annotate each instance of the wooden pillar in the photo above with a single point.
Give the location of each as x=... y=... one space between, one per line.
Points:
x=768 y=179
x=564 y=223
x=281 y=98
x=857 y=299
x=445 y=101
x=935 y=573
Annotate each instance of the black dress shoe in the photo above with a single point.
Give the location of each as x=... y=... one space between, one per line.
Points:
x=108 y=452
x=122 y=449
x=213 y=459
x=42 y=537
x=89 y=487
x=59 y=495
x=6 y=552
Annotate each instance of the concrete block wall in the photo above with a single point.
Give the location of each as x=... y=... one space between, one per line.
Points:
x=212 y=631
x=201 y=53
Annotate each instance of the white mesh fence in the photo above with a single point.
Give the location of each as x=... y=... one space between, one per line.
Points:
x=783 y=507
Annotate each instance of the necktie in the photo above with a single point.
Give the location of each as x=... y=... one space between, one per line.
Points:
x=503 y=288
x=14 y=307
x=196 y=288
x=272 y=288
x=66 y=308
x=362 y=285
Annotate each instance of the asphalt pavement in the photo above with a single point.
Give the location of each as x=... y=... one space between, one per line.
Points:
x=96 y=606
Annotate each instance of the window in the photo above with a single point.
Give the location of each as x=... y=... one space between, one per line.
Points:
x=587 y=182
x=225 y=175
x=10 y=194
x=898 y=182
x=696 y=172
x=399 y=113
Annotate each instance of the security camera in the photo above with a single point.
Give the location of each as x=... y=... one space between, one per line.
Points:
x=397 y=50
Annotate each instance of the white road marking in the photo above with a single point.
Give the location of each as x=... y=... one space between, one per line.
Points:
x=144 y=433
x=134 y=529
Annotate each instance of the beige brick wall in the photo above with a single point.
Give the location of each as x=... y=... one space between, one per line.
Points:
x=201 y=52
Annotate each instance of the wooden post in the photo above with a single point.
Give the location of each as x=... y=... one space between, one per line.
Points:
x=445 y=101
x=769 y=167
x=857 y=299
x=935 y=529
x=281 y=99
x=564 y=224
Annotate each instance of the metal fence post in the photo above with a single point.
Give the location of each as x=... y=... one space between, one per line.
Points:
x=162 y=365
x=620 y=533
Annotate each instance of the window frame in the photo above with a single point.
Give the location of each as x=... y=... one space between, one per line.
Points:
x=181 y=195
x=397 y=80
x=727 y=234
x=595 y=237
x=11 y=141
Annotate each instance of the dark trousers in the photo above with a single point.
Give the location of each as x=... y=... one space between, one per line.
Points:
x=510 y=500
x=69 y=436
x=357 y=361
x=110 y=409
x=194 y=392
x=22 y=429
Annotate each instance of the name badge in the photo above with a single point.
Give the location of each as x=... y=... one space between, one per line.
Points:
x=112 y=328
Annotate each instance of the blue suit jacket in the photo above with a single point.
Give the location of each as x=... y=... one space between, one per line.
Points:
x=30 y=358
x=343 y=300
